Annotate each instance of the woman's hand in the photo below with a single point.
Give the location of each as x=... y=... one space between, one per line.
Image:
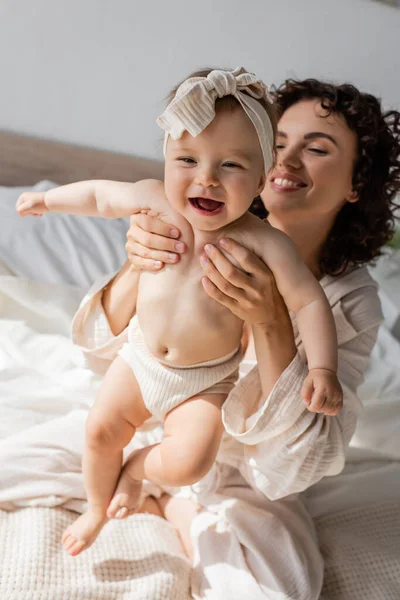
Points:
x=250 y=294
x=152 y=243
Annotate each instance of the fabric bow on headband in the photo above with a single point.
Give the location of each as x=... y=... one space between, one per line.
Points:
x=193 y=107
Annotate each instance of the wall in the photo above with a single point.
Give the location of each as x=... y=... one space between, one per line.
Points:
x=95 y=72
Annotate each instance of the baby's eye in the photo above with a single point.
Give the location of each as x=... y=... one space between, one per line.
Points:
x=187 y=160
x=231 y=165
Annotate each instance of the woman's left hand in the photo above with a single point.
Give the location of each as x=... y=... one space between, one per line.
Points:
x=251 y=294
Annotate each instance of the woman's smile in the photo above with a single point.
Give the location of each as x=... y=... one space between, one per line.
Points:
x=283 y=181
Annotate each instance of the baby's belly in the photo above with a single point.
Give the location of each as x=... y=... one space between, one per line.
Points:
x=181 y=324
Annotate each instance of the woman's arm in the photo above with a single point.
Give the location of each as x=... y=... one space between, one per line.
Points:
x=253 y=296
x=285 y=447
x=150 y=243
x=99 y=324
x=275 y=349
x=119 y=298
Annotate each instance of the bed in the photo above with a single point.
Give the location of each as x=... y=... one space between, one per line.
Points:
x=45 y=267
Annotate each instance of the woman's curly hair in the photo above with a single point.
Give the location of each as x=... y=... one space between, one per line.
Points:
x=361 y=228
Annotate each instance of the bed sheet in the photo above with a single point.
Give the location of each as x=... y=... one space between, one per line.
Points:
x=59 y=248
x=42 y=378
x=357 y=517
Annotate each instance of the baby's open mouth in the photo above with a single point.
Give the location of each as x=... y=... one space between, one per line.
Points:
x=206 y=205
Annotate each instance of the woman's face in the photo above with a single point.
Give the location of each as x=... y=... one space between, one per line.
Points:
x=315 y=157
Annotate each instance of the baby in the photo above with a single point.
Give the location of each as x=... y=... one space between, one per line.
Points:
x=183 y=351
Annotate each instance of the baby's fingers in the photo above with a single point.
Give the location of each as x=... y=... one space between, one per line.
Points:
x=334 y=404
x=307 y=390
x=318 y=401
x=21 y=205
x=27 y=204
x=24 y=208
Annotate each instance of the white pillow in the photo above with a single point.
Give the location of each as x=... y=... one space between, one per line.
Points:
x=387 y=273
x=378 y=427
x=58 y=248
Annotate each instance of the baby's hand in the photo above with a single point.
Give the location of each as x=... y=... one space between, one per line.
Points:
x=322 y=392
x=31 y=203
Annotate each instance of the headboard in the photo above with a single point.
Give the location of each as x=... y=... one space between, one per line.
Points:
x=26 y=160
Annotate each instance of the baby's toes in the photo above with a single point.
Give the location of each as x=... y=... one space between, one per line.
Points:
x=68 y=540
x=66 y=536
x=75 y=547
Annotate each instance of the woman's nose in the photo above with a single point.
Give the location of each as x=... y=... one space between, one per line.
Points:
x=289 y=156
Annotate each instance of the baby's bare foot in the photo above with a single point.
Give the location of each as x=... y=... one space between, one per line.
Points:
x=82 y=533
x=126 y=497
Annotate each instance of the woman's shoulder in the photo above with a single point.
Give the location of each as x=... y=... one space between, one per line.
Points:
x=353 y=295
x=351 y=280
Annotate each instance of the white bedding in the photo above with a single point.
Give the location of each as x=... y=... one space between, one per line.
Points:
x=41 y=379
x=357 y=513
x=59 y=248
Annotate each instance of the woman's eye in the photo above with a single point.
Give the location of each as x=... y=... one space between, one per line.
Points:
x=279 y=146
x=318 y=151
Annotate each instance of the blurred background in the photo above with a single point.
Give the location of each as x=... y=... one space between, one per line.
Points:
x=390 y=2
x=96 y=72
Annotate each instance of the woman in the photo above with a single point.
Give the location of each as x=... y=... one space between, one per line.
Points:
x=332 y=191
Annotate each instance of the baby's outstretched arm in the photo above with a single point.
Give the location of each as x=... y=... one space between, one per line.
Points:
x=304 y=296
x=108 y=199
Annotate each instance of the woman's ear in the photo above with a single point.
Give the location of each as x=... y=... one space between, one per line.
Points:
x=352 y=197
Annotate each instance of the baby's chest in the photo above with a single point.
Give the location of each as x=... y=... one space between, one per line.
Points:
x=178 y=290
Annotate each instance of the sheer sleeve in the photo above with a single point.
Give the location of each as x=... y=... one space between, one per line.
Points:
x=286 y=448
x=91 y=330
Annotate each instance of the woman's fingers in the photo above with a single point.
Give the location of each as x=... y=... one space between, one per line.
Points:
x=137 y=253
x=154 y=234
x=252 y=291
x=151 y=243
x=154 y=224
x=145 y=264
x=215 y=293
x=247 y=260
x=223 y=267
x=221 y=276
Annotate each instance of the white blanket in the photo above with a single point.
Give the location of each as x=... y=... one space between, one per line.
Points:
x=41 y=379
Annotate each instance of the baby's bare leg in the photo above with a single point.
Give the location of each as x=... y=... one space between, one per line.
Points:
x=192 y=434
x=112 y=421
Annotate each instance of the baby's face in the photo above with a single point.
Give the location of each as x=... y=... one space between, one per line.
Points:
x=212 y=179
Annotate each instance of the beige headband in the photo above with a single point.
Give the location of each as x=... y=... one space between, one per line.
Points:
x=193 y=107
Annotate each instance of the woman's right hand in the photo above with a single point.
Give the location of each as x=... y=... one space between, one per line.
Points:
x=151 y=243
